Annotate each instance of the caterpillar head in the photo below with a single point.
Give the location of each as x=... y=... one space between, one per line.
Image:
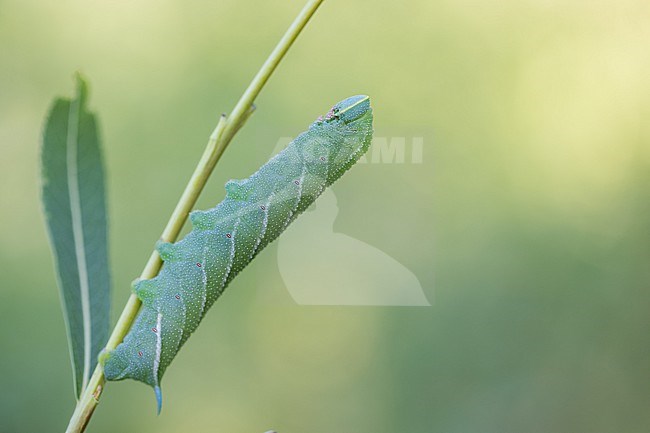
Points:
x=346 y=135
x=352 y=109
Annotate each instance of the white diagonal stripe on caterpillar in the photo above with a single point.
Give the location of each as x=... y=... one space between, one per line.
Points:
x=181 y=299
x=204 y=280
x=158 y=331
x=231 y=260
x=265 y=223
x=298 y=197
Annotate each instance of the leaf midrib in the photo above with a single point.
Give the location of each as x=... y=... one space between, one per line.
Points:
x=72 y=145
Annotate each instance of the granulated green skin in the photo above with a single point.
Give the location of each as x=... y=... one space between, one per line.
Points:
x=226 y=238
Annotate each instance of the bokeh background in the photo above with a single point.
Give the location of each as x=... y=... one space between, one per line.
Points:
x=527 y=222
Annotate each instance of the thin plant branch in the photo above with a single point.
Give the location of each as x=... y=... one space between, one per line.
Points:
x=219 y=141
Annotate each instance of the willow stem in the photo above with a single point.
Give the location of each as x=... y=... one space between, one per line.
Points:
x=219 y=141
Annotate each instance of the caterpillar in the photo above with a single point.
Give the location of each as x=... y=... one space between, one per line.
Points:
x=224 y=239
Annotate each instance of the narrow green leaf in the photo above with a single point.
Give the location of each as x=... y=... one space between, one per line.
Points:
x=74 y=200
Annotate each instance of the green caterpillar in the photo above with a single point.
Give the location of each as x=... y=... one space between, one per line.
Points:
x=226 y=238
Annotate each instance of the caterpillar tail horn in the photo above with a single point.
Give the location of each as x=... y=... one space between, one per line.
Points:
x=158 y=392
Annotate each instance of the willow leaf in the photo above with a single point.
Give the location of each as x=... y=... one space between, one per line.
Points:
x=75 y=211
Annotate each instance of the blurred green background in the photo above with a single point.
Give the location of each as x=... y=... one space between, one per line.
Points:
x=527 y=223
